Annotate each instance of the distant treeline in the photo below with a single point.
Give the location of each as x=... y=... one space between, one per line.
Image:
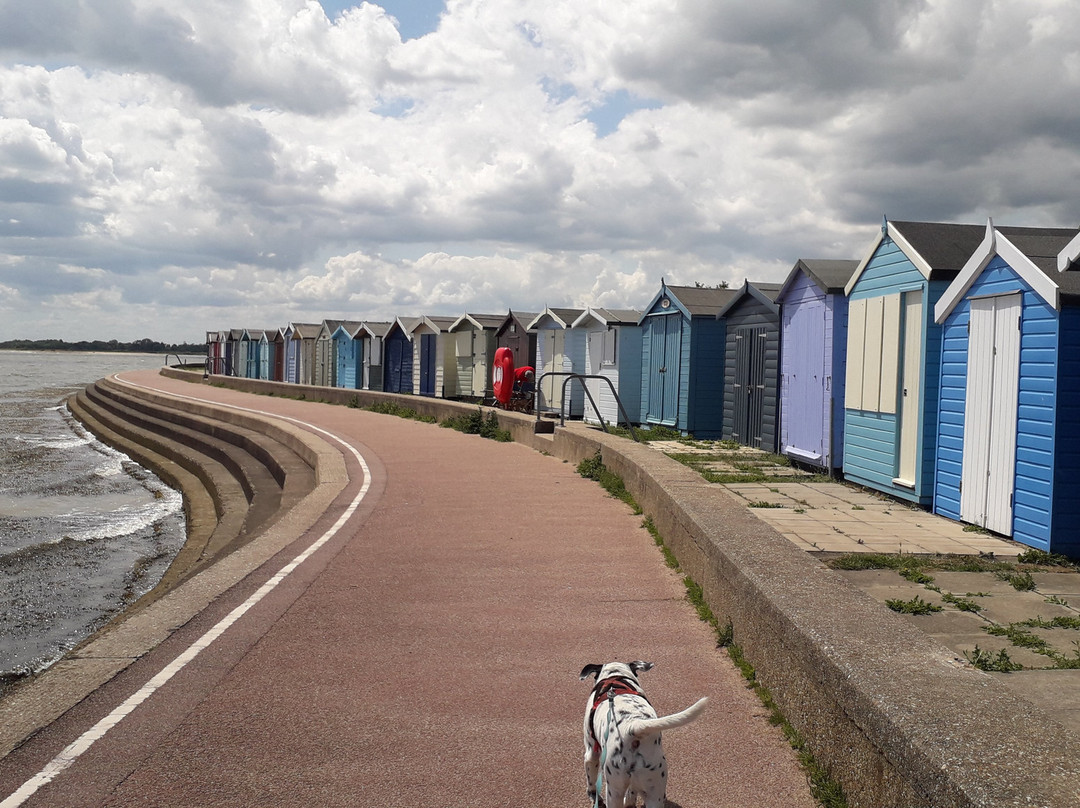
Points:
x=138 y=346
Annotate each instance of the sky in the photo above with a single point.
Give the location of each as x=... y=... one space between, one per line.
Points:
x=166 y=169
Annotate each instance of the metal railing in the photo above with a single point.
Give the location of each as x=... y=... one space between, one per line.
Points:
x=570 y=377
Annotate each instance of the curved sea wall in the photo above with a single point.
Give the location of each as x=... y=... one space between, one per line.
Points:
x=895 y=716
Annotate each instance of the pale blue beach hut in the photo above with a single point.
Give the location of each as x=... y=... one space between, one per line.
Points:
x=612 y=339
x=348 y=371
x=371 y=335
x=559 y=350
x=682 y=359
x=813 y=334
x=1008 y=442
x=894 y=354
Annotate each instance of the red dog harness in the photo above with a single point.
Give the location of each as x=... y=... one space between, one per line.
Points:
x=608 y=689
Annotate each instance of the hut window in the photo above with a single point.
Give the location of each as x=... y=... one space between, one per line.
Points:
x=609 y=346
x=873 y=364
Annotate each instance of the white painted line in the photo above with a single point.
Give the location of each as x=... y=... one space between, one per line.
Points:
x=72 y=752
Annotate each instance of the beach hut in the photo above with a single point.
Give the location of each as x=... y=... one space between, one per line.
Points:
x=242 y=357
x=348 y=371
x=278 y=353
x=398 y=356
x=250 y=351
x=682 y=359
x=1008 y=440
x=612 y=339
x=434 y=360
x=894 y=354
x=371 y=335
x=514 y=333
x=325 y=363
x=215 y=353
x=813 y=333
x=559 y=350
x=266 y=356
x=474 y=353
x=752 y=366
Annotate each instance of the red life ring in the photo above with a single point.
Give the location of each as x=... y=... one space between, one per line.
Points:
x=503 y=375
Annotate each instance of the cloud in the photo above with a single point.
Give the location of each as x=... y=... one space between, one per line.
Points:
x=205 y=170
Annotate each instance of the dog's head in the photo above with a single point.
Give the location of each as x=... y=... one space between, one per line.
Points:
x=615 y=670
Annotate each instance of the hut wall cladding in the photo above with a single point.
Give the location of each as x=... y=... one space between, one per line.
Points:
x=757 y=425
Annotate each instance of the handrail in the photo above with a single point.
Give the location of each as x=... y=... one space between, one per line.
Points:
x=582 y=377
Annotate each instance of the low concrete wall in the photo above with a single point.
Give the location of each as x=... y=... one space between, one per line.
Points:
x=897 y=718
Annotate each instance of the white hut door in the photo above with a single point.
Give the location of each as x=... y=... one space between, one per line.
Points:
x=990 y=409
x=910 y=389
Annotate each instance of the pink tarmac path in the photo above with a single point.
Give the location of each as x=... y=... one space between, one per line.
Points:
x=427 y=655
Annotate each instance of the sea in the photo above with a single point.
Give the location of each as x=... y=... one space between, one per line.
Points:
x=84 y=529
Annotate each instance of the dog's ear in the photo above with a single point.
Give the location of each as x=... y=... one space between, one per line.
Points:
x=640 y=667
x=591 y=670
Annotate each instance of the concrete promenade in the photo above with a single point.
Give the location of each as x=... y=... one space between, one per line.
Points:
x=425 y=654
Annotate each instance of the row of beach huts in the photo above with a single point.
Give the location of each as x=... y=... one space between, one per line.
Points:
x=943 y=368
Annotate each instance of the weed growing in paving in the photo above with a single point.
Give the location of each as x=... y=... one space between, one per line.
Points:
x=764 y=503
x=964 y=604
x=593 y=468
x=1044 y=559
x=476 y=424
x=1020 y=581
x=987 y=661
x=914 y=606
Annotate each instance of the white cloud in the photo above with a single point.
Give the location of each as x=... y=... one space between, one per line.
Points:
x=209 y=170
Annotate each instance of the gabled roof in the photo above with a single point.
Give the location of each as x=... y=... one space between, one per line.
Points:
x=694 y=301
x=328 y=327
x=435 y=322
x=305 y=330
x=346 y=327
x=522 y=317
x=1032 y=252
x=763 y=293
x=405 y=325
x=564 y=318
x=608 y=317
x=480 y=322
x=936 y=249
x=254 y=334
x=372 y=328
x=829 y=275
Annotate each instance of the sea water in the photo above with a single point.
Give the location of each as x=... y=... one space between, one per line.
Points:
x=84 y=530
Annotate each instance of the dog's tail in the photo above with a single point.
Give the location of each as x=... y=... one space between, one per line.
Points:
x=643 y=727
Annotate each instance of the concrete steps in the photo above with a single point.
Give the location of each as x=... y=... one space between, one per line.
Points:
x=236 y=480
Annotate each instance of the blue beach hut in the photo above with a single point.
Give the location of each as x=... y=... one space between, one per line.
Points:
x=813 y=333
x=682 y=359
x=1008 y=443
x=398 y=356
x=752 y=366
x=434 y=360
x=347 y=355
x=894 y=353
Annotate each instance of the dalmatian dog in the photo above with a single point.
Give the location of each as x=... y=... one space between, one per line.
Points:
x=624 y=757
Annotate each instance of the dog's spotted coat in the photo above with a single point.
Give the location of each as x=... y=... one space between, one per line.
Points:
x=623 y=731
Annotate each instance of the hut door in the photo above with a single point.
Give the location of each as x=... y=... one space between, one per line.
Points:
x=990 y=412
x=665 y=353
x=749 y=387
x=910 y=389
x=427 y=364
x=805 y=421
